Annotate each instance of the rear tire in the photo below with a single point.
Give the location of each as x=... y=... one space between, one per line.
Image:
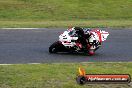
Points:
x=91 y=52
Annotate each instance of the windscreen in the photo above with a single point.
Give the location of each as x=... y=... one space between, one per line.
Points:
x=72 y=33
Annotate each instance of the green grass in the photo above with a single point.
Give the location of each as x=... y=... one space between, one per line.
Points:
x=62 y=13
x=58 y=75
x=62 y=24
x=65 y=9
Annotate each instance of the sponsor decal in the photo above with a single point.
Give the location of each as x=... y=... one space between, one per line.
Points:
x=83 y=78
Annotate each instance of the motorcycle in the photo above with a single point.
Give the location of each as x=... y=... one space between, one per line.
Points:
x=69 y=42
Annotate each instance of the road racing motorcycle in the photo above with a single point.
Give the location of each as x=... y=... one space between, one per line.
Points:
x=69 y=42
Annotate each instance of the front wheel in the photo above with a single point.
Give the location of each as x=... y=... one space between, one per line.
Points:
x=53 y=47
x=52 y=50
x=56 y=47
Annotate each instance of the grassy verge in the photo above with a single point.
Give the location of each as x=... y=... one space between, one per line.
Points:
x=65 y=9
x=63 y=13
x=58 y=75
x=82 y=23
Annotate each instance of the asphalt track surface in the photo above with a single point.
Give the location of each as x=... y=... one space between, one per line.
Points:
x=31 y=46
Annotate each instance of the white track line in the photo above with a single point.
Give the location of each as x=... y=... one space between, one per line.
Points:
x=20 y=63
x=34 y=63
x=6 y=64
x=20 y=28
x=66 y=63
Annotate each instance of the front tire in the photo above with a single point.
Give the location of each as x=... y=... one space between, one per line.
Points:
x=52 y=50
x=56 y=47
x=53 y=47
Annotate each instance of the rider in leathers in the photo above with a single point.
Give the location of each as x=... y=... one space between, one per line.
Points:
x=82 y=37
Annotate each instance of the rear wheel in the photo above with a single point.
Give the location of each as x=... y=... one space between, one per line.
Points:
x=91 y=52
